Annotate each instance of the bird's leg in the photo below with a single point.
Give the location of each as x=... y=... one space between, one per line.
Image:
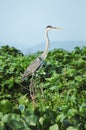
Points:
x=30 y=88
x=41 y=89
x=35 y=83
x=32 y=94
x=42 y=92
x=32 y=91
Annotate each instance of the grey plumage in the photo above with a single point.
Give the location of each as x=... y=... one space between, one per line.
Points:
x=38 y=62
x=34 y=66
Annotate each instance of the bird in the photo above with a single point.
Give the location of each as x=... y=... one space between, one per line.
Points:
x=38 y=62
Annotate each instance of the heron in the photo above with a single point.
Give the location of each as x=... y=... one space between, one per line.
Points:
x=38 y=62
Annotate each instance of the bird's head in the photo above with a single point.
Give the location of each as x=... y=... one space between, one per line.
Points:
x=49 y=27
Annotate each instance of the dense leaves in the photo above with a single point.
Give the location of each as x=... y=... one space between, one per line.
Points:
x=60 y=91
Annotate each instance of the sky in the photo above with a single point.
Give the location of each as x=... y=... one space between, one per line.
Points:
x=23 y=22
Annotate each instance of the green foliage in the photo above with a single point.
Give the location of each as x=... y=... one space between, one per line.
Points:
x=54 y=127
x=60 y=99
x=6 y=50
x=5 y=106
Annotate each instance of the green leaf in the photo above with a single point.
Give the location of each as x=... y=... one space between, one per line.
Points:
x=25 y=128
x=41 y=120
x=5 y=106
x=53 y=88
x=61 y=117
x=23 y=100
x=21 y=108
x=1 y=115
x=8 y=117
x=2 y=126
x=72 y=112
x=72 y=128
x=32 y=120
x=15 y=125
x=54 y=127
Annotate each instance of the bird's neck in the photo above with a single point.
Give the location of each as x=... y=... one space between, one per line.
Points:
x=44 y=54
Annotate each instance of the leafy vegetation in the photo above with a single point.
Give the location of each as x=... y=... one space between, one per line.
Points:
x=60 y=91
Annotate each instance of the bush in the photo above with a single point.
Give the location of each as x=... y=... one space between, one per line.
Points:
x=60 y=98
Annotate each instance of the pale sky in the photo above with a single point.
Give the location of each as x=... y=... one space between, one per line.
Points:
x=22 y=22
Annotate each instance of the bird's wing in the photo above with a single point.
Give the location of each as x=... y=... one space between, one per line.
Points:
x=33 y=67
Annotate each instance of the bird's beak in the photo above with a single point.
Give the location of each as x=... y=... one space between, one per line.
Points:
x=56 y=28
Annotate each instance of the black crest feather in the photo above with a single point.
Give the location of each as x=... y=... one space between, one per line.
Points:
x=49 y=26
